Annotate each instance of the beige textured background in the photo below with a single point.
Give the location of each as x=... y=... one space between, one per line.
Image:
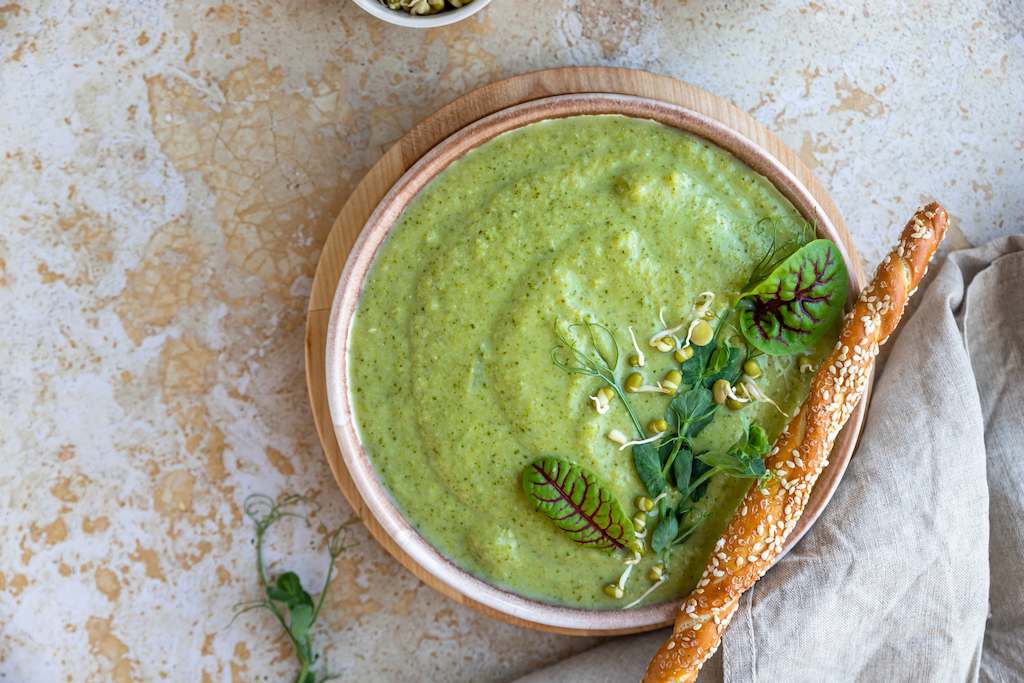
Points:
x=168 y=172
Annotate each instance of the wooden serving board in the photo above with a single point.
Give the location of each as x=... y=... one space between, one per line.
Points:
x=424 y=136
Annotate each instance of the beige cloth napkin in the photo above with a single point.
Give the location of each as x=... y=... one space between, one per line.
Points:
x=915 y=571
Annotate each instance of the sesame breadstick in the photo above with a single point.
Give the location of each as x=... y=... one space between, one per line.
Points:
x=769 y=513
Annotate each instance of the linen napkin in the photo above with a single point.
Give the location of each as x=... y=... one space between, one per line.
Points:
x=915 y=570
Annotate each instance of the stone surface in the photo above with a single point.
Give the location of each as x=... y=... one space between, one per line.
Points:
x=168 y=172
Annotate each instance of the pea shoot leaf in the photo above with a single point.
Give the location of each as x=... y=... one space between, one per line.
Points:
x=692 y=411
x=699 y=469
x=665 y=533
x=726 y=363
x=733 y=465
x=745 y=459
x=694 y=368
x=789 y=310
x=288 y=589
x=685 y=532
x=718 y=360
x=648 y=463
x=302 y=618
x=682 y=467
x=756 y=444
x=668 y=443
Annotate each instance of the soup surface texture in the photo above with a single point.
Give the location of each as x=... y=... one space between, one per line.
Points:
x=603 y=218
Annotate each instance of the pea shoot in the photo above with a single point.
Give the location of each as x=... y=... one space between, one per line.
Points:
x=601 y=360
x=284 y=596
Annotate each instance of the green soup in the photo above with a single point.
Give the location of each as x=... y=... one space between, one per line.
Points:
x=595 y=217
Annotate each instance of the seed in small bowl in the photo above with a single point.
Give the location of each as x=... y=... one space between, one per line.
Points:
x=424 y=6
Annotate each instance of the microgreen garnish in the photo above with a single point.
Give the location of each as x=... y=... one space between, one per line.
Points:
x=755 y=393
x=601 y=360
x=284 y=597
x=671 y=533
x=777 y=251
x=790 y=309
x=665 y=461
x=648 y=468
x=643 y=596
x=793 y=295
x=637 y=360
x=578 y=503
x=745 y=459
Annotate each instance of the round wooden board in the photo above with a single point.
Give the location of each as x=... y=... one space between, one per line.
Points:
x=427 y=134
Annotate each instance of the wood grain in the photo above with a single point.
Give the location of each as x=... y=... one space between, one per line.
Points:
x=425 y=135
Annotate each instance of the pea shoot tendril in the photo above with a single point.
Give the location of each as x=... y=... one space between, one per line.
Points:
x=601 y=360
x=284 y=596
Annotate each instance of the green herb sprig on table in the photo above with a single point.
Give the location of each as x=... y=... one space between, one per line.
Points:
x=284 y=596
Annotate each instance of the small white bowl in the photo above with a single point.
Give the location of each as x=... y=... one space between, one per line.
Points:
x=399 y=18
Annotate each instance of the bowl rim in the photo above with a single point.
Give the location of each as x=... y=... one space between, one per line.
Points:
x=379 y=502
x=375 y=8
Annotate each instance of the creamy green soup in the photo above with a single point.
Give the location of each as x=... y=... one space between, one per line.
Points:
x=597 y=217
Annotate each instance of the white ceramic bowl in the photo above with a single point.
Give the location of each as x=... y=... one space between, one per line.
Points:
x=399 y=18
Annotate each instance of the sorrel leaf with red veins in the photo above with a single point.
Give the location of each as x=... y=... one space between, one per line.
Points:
x=797 y=303
x=578 y=503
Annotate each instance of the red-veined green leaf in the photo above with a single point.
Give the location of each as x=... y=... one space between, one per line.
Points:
x=578 y=503
x=798 y=302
